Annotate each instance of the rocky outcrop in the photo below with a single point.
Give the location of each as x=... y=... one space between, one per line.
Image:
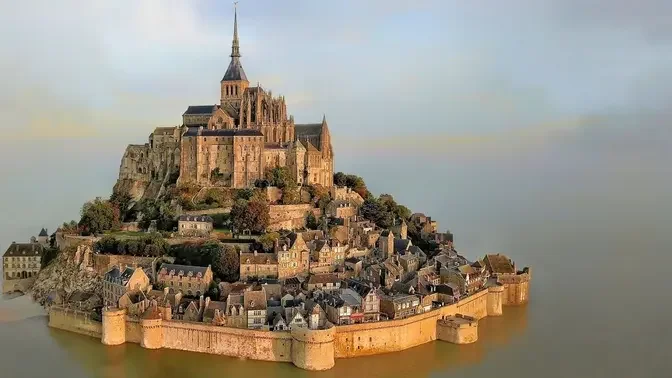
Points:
x=65 y=274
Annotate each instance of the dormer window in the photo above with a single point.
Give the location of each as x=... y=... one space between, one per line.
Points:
x=181 y=273
x=199 y=275
x=172 y=272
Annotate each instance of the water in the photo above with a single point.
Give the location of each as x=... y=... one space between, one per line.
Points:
x=595 y=231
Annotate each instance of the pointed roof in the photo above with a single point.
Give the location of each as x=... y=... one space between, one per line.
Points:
x=235 y=71
x=43 y=232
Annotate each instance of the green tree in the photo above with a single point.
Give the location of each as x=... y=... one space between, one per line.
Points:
x=250 y=215
x=279 y=176
x=403 y=212
x=311 y=221
x=225 y=262
x=290 y=193
x=267 y=240
x=97 y=216
x=340 y=179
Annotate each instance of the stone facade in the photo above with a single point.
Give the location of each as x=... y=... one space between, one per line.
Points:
x=190 y=280
x=231 y=143
x=288 y=217
x=189 y=225
x=118 y=282
x=20 y=265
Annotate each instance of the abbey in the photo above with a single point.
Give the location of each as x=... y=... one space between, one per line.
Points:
x=231 y=143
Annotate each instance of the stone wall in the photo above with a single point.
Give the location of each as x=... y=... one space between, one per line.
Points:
x=22 y=285
x=103 y=263
x=307 y=349
x=66 y=240
x=74 y=321
x=288 y=217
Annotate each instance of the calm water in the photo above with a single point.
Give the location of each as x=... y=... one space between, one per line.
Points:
x=598 y=239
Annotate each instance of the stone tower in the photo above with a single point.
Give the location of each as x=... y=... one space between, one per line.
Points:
x=235 y=81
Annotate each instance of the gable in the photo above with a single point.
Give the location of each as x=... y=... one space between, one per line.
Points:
x=220 y=120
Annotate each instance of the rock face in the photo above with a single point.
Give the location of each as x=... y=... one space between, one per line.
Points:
x=65 y=274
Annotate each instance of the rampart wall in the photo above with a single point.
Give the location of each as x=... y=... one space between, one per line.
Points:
x=102 y=263
x=288 y=217
x=74 y=321
x=305 y=348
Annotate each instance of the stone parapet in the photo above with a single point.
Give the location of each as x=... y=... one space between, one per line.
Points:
x=495 y=300
x=152 y=333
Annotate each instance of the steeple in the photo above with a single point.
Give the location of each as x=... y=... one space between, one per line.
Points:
x=235 y=46
x=235 y=71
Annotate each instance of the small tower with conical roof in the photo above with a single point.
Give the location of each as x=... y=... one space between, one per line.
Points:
x=234 y=82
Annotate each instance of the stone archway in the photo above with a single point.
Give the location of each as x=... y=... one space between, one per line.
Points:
x=24 y=274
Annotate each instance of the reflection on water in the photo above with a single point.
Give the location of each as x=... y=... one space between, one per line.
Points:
x=93 y=359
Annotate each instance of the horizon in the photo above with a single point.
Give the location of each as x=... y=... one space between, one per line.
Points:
x=483 y=90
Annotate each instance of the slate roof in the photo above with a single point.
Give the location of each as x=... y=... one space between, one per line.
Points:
x=195 y=218
x=308 y=129
x=199 y=109
x=23 y=249
x=185 y=268
x=116 y=276
x=235 y=71
x=194 y=131
x=212 y=306
x=401 y=244
x=293 y=281
x=43 y=232
x=259 y=258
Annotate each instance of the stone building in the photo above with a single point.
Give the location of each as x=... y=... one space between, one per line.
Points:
x=293 y=256
x=22 y=260
x=118 y=282
x=190 y=225
x=191 y=280
x=255 y=306
x=231 y=143
x=258 y=265
x=399 y=306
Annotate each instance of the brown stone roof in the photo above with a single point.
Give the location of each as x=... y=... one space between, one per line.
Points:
x=499 y=264
x=254 y=300
x=259 y=258
x=24 y=249
x=323 y=278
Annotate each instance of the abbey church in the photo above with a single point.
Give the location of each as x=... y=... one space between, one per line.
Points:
x=233 y=142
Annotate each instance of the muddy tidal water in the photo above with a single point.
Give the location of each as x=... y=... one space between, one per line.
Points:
x=598 y=239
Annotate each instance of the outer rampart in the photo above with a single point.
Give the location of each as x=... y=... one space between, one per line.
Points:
x=102 y=263
x=307 y=349
x=74 y=321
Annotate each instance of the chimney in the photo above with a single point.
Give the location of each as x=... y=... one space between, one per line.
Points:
x=207 y=302
x=200 y=301
x=255 y=252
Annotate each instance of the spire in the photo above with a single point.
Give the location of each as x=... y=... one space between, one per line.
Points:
x=235 y=46
x=324 y=118
x=235 y=71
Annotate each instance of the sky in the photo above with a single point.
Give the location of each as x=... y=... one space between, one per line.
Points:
x=442 y=92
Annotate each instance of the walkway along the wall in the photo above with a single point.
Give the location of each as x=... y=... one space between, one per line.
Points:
x=305 y=348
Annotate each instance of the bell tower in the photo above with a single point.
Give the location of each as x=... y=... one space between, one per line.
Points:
x=234 y=82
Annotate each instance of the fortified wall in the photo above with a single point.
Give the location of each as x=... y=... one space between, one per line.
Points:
x=102 y=263
x=305 y=348
x=288 y=217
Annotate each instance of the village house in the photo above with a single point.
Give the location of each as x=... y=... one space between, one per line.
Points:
x=292 y=284
x=341 y=209
x=258 y=265
x=399 y=306
x=255 y=306
x=370 y=299
x=191 y=280
x=236 y=315
x=293 y=255
x=325 y=282
x=118 y=282
x=215 y=312
x=190 y=225
x=316 y=316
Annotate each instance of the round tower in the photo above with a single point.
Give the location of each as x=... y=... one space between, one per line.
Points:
x=494 y=300
x=114 y=326
x=151 y=328
x=313 y=349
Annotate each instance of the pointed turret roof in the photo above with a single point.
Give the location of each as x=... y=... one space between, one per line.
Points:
x=235 y=70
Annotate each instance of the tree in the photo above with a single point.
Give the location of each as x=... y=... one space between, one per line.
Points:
x=97 y=216
x=250 y=215
x=403 y=212
x=225 y=262
x=340 y=179
x=279 y=176
x=290 y=193
x=311 y=221
x=121 y=200
x=245 y=194
x=268 y=240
